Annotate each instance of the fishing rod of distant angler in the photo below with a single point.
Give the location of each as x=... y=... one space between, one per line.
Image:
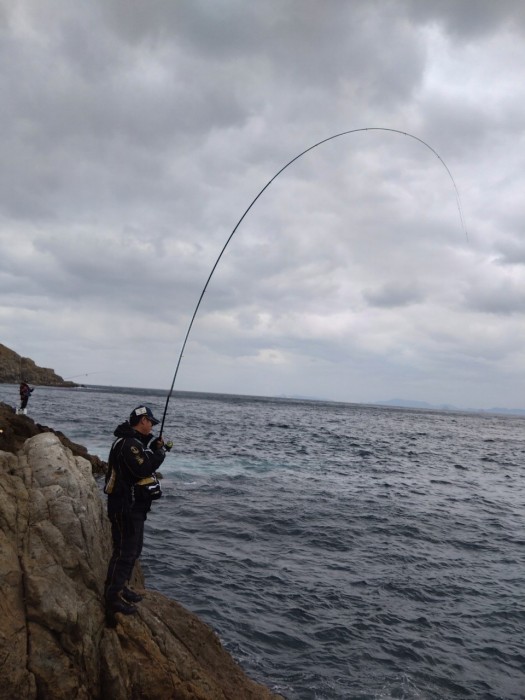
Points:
x=307 y=150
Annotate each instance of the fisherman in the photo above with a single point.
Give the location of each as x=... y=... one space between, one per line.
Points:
x=25 y=393
x=131 y=486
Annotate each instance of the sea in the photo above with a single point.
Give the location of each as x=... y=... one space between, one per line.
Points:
x=340 y=551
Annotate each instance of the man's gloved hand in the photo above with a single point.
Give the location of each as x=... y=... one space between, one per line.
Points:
x=156 y=444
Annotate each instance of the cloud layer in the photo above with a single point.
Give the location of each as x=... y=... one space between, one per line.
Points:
x=135 y=137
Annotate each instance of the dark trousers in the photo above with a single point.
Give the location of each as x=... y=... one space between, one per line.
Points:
x=23 y=401
x=127 y=532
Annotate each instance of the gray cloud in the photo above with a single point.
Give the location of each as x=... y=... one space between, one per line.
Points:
x=135 y=137
x=462 y=20
x=392 y=295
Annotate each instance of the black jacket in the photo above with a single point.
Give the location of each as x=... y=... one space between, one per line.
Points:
x=130 y=461
x=25 y=390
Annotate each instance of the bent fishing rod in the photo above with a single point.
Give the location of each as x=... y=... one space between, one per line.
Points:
x=307 y=150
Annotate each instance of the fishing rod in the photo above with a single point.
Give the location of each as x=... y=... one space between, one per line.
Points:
x=307 y=150
x=85 y=374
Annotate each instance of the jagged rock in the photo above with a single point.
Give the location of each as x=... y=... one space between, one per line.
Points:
x=54 y=644
x=14 y=368
x=15 y=429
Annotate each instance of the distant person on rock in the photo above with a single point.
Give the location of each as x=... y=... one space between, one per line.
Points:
x=131 y=486
x=25 y=393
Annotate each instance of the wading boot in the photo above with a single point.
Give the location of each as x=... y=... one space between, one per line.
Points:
x=118 y=605
x=131 y=596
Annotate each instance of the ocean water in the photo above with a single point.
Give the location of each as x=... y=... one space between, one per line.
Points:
x=341 y=552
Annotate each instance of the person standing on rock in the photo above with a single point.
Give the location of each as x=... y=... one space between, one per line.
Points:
x=25 y=393
x=131 y=486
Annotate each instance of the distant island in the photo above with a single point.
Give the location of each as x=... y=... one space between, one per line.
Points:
x=407 y=403
x=14 y=368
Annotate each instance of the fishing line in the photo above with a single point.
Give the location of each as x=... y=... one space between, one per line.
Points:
x=307 y=150
x=85 y=374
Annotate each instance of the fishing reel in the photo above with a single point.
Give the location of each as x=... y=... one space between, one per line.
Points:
x=157 y=444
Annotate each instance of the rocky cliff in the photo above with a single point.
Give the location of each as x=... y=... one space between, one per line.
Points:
x=54 y=548
x=14 y=368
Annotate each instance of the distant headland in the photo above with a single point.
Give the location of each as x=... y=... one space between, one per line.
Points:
x=14 y=368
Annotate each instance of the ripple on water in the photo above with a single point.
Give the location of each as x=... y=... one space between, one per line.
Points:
x=340 y=551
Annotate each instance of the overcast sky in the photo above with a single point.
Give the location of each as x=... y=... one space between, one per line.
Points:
x=135 y=135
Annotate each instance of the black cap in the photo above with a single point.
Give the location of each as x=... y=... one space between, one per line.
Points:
x=140 y=411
